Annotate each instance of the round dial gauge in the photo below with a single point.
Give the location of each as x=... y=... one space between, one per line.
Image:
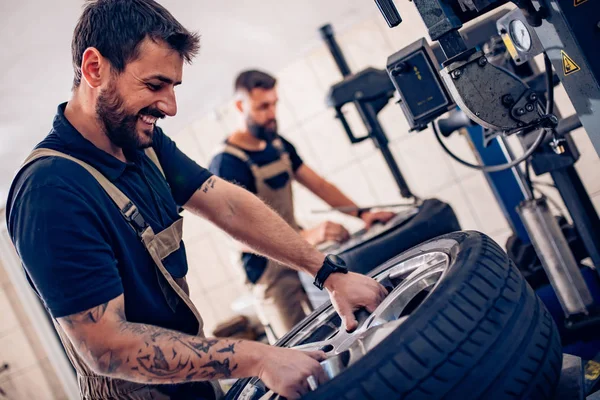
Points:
x=520 y=35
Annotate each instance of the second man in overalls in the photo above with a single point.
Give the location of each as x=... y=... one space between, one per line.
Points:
x=259 y=159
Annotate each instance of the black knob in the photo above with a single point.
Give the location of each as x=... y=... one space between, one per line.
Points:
x=389 y=11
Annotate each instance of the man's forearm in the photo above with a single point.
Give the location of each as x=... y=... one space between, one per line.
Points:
x=150 y=354
x=258 y=226
x=245 y=217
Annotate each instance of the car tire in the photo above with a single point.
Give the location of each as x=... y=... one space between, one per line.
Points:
x=482 y=333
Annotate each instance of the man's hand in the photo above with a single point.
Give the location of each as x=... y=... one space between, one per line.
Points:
x=352 y=291
x=324 y=232
x=285 y=371
x=379 y=216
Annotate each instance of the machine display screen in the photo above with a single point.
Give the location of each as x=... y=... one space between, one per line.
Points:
x=420 y=89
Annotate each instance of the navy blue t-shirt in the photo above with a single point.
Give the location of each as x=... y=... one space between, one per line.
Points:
x=77 y=249
x=234 y=170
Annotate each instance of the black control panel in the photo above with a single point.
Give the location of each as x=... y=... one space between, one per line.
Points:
x=414 y=73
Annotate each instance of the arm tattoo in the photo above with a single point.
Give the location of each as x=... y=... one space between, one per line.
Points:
x=220 y=369
x=228 y=349
x=91 y=316
x=162 y=355
x=157 y=365
x=109 y=362
x=199 y=347
x=210 y=184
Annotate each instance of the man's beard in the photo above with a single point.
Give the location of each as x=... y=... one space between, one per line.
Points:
x=121 y=126
x=263 y=132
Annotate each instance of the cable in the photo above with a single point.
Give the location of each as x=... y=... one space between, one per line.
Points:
x=492 y=168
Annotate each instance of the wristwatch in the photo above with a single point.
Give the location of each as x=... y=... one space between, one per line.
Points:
x=331 y=264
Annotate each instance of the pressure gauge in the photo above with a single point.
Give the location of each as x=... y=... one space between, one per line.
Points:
x=520 y=35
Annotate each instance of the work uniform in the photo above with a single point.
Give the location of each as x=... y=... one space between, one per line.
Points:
x=282 y=301
x=89 y=228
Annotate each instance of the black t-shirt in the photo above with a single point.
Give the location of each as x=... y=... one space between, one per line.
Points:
x=234 y=170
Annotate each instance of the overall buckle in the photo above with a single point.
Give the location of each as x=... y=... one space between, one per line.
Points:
x=132 y=215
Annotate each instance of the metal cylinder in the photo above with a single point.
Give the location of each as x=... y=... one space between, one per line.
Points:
x=556 y=257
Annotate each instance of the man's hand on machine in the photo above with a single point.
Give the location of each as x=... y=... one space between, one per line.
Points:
x=350 y=292
x=370 y=217
x=325 y=232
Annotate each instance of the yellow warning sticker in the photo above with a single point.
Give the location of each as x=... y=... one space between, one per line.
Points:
x=569 y=66
x=578 y=2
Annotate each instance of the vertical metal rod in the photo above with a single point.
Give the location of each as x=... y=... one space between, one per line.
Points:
x=328 y=36
x=369 y=117
x=517 y=173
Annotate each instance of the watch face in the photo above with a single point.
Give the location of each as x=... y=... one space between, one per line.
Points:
x=337 y=261
x=520 y=35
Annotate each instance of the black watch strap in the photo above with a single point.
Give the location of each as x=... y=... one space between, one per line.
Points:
x=323 y=274
x=327 y=269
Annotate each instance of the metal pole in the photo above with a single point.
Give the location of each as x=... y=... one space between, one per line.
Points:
x=329 y=37
x=369 y=117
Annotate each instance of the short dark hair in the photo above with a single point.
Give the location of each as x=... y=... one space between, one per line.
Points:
x=117 y=27
x=254 y=79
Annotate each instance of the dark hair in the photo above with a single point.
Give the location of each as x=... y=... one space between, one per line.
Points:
x=117 y=27
x=253 y=79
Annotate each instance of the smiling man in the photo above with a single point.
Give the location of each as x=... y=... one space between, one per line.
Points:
x=94 y=217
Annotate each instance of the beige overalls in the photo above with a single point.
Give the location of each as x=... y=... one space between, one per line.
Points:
x=159 y=246
x=282 y=301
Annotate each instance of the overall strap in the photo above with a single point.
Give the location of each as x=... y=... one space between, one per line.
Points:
x=236 y=152
x=154 y=158
x=125 y=206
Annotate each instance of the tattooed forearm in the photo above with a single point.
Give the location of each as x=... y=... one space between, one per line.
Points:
x=115 y=347
x=210 y=184
x=149 y=359
x=184 y=350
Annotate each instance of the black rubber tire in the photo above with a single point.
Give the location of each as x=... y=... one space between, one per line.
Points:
x=481 y=334
x=435 y=218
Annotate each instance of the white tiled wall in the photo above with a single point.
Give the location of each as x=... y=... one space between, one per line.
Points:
x=358 y=170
